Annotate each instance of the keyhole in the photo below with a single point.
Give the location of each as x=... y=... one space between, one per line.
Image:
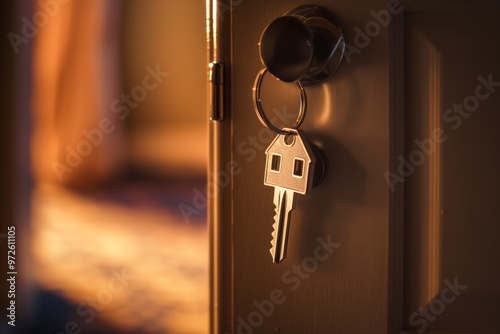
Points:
x=289 y=139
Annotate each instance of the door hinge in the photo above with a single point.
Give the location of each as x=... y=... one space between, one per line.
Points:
x=216 y=83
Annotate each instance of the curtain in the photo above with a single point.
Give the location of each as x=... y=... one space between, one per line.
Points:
x=76 y=139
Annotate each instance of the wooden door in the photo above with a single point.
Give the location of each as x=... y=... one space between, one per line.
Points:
x=452 y=253
x=375 y=245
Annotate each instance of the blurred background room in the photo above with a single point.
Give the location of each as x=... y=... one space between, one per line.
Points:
x=107 y=109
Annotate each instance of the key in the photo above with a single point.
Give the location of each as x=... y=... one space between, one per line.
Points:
x=289 y=169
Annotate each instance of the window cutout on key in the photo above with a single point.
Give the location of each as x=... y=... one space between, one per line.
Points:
x=298 y=167
x=276 y=163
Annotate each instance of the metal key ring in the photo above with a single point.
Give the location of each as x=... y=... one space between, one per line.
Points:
x=260 y=112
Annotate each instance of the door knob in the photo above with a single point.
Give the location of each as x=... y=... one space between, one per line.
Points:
x=304 y=44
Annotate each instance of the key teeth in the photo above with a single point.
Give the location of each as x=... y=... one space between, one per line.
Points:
x=274 y=232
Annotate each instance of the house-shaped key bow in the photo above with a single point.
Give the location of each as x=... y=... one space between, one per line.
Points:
x=290 y=163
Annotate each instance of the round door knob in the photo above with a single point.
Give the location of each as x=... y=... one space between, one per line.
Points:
x=304 y=44
x=286 y=48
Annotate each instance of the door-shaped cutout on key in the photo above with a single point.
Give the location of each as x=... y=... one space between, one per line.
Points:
x=276 y=163
x=298 y=167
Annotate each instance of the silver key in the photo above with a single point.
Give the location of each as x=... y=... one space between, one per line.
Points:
x=289 y=169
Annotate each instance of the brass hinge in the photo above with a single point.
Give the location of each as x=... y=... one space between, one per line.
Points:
x=216 y=83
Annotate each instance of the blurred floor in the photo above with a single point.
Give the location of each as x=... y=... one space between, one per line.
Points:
x=128 y=249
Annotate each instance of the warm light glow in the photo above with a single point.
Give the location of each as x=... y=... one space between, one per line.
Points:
x=81 y=242
x=78 y=242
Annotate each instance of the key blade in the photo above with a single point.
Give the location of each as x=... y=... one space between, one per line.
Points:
x=279 y=197
x=284 y=201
